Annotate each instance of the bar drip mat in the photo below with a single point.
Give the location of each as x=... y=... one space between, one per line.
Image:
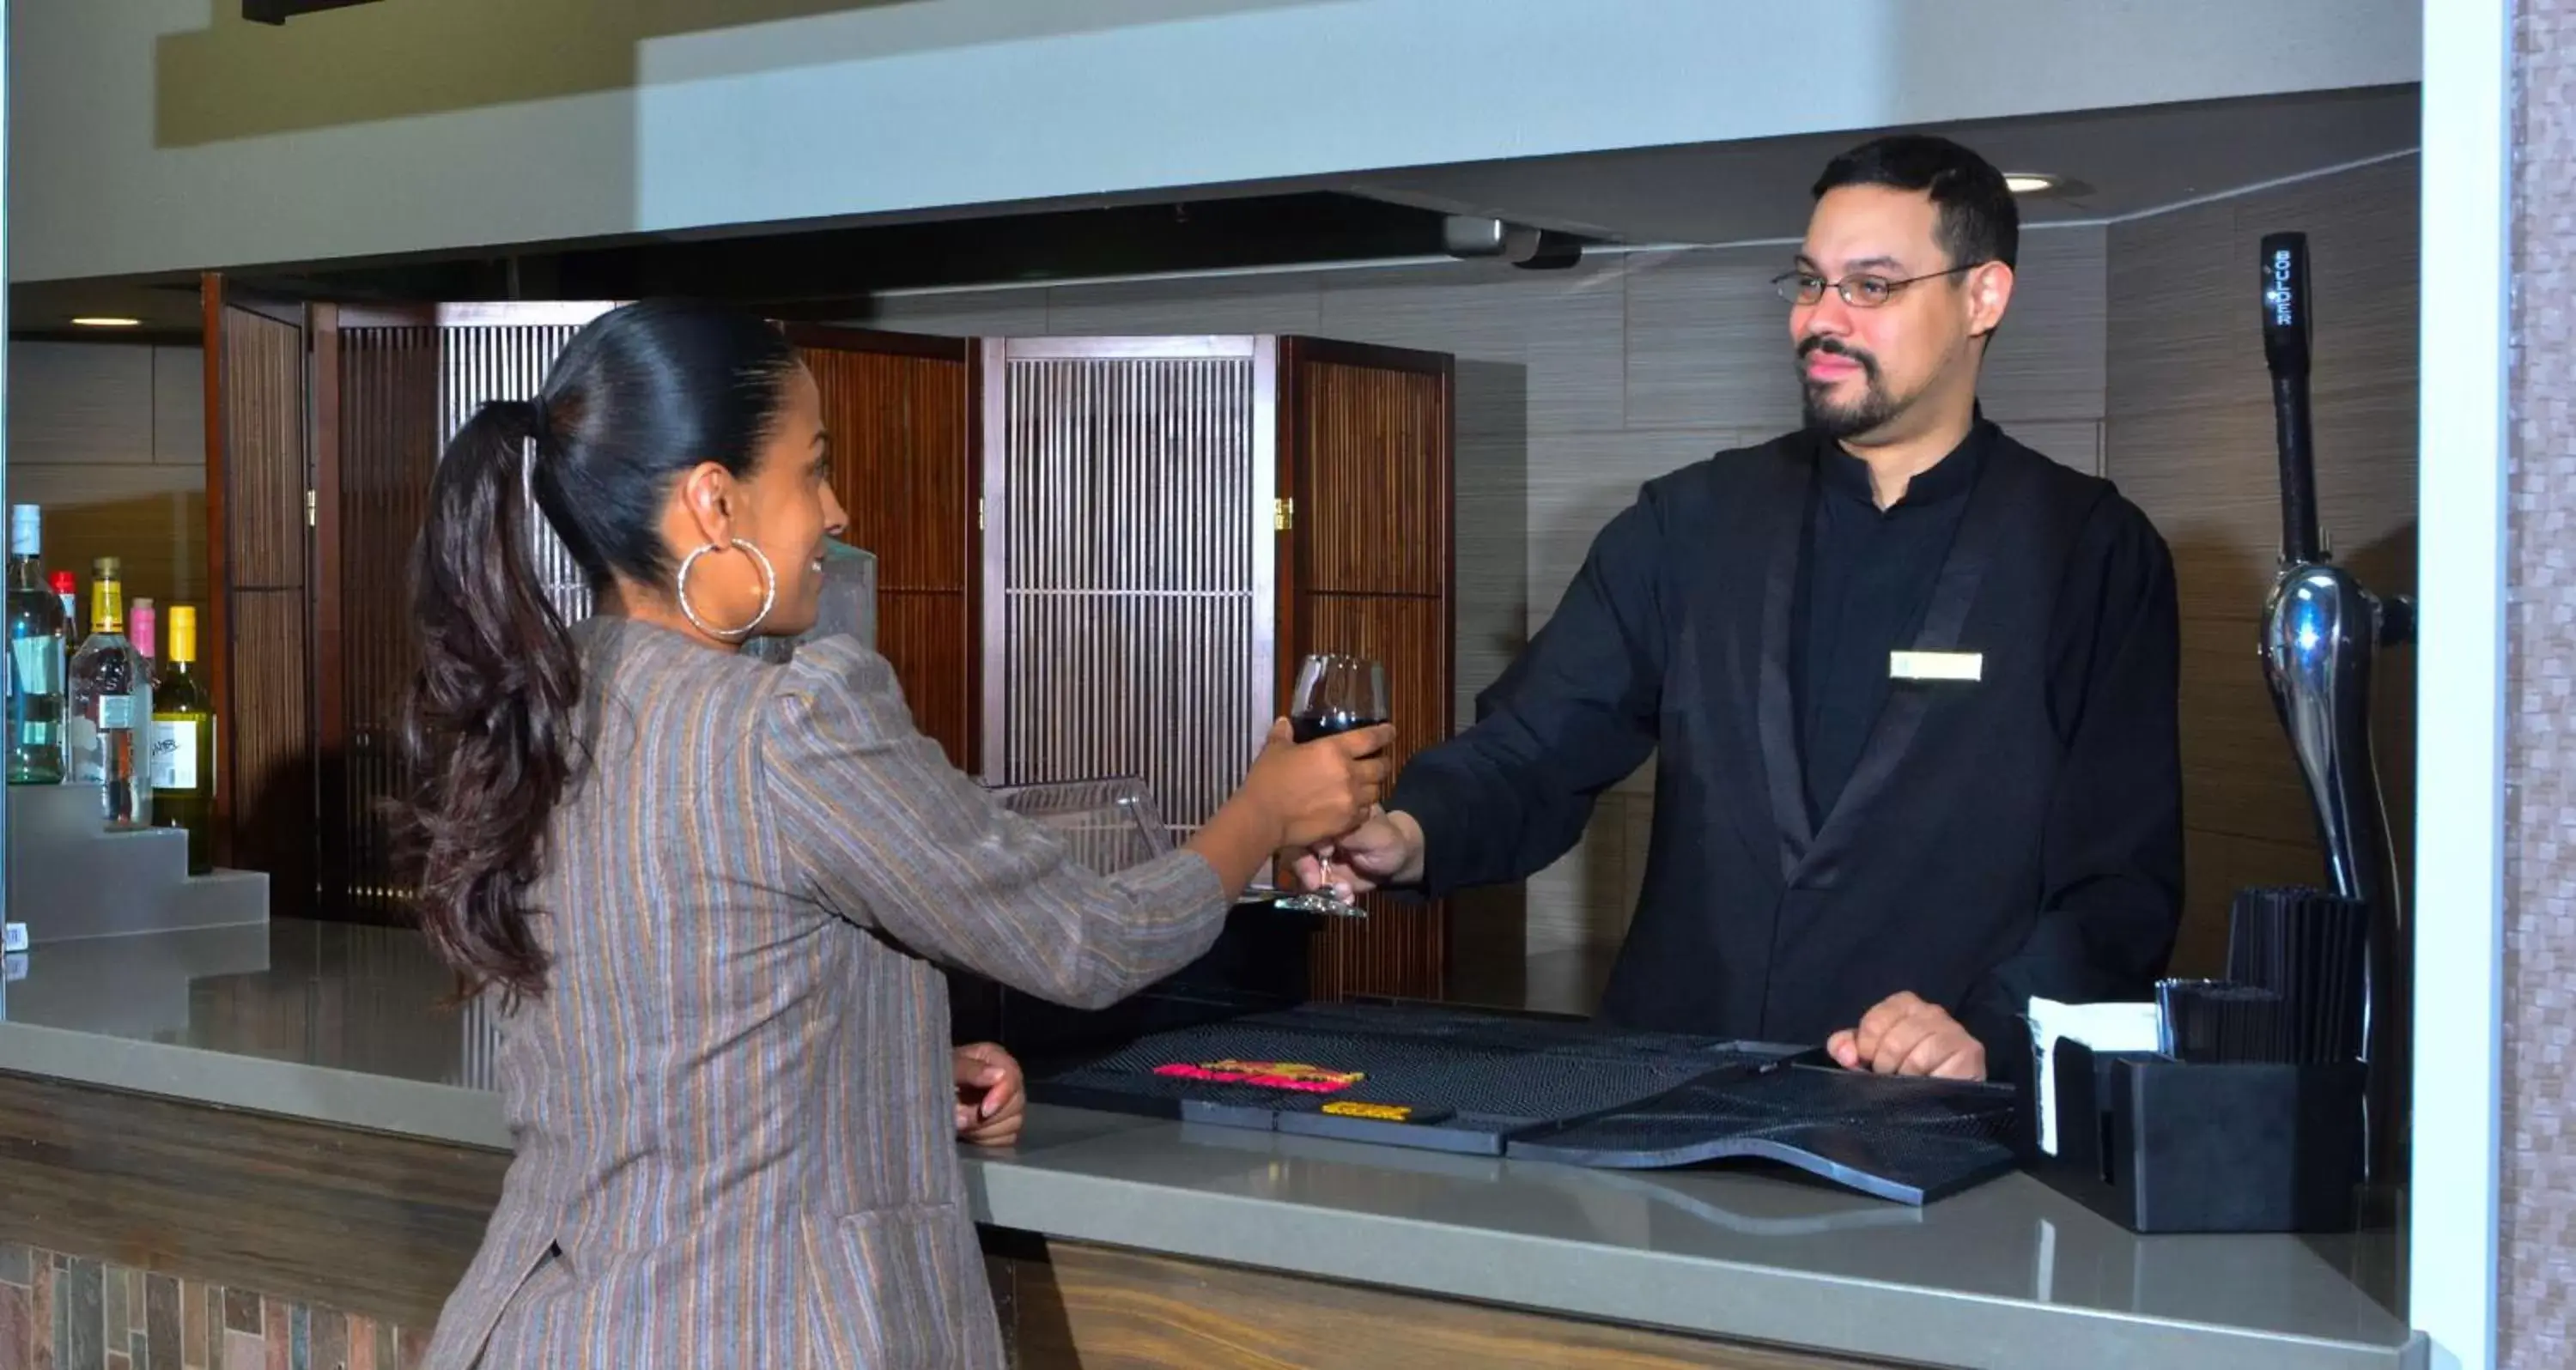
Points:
x=1503 y=1085
x=1909 y=1140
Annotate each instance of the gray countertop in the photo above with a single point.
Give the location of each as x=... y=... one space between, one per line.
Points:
x=352 y=1026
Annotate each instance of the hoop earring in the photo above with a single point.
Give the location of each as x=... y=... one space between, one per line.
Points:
x=768 y=592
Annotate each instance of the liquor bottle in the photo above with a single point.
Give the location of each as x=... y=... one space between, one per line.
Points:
x=37 y=629
x=111 y=703
x=183 y=744
x=67 y=589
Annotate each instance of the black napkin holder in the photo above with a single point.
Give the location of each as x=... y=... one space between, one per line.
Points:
x=2160 y=1145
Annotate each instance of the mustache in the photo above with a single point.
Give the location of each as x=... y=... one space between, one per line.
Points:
x=1834 y=347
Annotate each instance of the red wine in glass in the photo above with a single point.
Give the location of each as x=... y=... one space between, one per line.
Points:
x=1308 y=727
x=1335 y=694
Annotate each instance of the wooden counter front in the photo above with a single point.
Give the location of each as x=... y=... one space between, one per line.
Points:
x=146 y=1218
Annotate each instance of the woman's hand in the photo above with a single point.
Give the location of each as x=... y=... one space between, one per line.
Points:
x=992 y=1098
x=1322 y=789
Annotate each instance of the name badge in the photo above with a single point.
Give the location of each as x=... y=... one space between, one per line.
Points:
x=1968 y=666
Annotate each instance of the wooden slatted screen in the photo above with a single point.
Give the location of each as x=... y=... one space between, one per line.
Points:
x=1128 y=563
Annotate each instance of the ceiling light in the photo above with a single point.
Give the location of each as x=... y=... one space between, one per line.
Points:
x=2028 y=182
x=106 y=321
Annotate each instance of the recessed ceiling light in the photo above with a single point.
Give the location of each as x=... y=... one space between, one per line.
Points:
x=106 y=321
x=2028 y=182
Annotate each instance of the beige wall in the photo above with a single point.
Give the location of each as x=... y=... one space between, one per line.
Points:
x=2190 y=438
x=2536 y=1284
x=1575 y=387
x=110 y=439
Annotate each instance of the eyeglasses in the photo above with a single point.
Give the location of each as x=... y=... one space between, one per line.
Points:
x=1862 y=291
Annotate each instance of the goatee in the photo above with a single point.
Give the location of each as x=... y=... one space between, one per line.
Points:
x=1871 y=411
x=1874 y=408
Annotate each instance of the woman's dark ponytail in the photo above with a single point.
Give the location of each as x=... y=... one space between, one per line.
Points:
x=640 y=396
x=490 y=726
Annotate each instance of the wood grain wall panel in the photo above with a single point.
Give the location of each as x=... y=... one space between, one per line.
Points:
x=1367 y=442
x=1099 y=1306
x=263 y=420
x=272 y=759
x=928 y=637
x=1400 y=948
x=259 y=650
x=1373 y=481
x=376 y=1225
x=904 y=468
x=2188 y=435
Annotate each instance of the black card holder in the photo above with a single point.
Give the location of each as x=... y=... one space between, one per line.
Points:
x=2160 y=1145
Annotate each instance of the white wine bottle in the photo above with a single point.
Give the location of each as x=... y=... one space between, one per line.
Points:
x=183 y=744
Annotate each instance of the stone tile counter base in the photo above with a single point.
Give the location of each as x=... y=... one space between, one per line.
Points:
x=63 y=1312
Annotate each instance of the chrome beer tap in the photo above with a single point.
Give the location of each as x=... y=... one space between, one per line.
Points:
x=2321 y=630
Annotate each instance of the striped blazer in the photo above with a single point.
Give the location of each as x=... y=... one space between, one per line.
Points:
x=732 y=1107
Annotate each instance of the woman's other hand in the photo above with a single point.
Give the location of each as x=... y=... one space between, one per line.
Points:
x=992 y=1095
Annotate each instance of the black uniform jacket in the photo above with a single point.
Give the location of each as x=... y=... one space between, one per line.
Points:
x=1995 y=837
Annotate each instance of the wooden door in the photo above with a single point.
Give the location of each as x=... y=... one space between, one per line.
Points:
x=258 y=639
x=902 y=416
x=1365 y=437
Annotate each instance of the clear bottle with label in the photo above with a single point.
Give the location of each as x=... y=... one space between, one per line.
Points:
x=36 y=659
x=182 y=760
x=111 y=706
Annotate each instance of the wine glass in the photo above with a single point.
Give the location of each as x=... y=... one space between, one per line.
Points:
x=1334 y=694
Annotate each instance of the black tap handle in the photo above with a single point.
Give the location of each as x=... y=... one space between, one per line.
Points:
x=2285 y=303
x=2286 y=329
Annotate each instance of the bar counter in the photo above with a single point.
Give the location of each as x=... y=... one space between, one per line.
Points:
x=326 y=1079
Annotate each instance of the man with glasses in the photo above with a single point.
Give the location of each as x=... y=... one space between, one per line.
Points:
x=1910 y=687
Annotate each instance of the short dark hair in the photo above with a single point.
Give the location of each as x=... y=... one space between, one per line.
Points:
x=1979 y=222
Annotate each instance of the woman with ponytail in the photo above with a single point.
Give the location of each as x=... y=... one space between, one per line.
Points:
x=712 y=892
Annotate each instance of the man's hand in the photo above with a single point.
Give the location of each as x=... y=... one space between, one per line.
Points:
x=1904 y=1035
x=1385 y=849
x=991 y=1104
